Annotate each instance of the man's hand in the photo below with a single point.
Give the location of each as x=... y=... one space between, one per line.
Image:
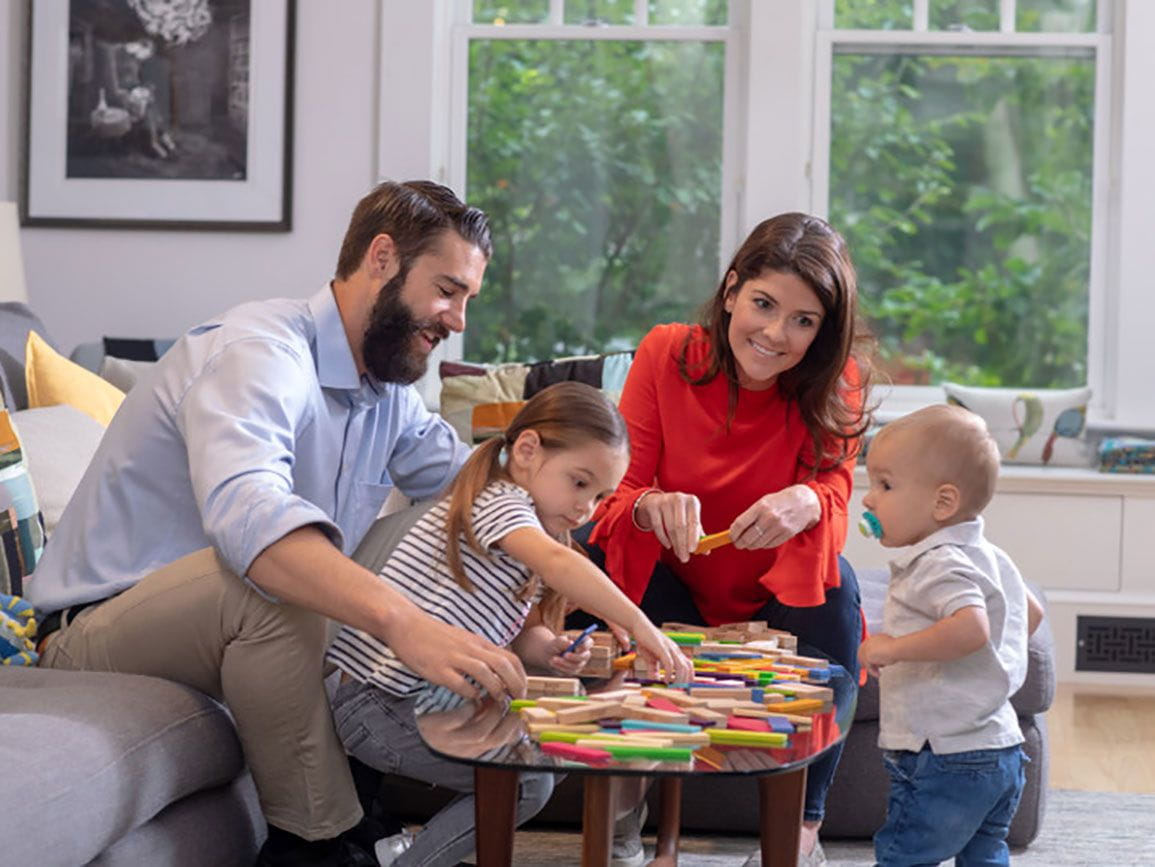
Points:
x=446 y=655
x=674 y=517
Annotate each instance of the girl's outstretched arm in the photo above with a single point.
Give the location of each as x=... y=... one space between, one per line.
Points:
x=584 y=584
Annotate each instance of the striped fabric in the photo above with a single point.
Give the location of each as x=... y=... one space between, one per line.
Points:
x=21 y=525
x=417 y=568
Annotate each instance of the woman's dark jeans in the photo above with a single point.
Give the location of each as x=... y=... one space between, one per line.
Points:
x=832 y=630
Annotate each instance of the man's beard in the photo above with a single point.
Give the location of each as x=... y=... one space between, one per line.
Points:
x=387 y=347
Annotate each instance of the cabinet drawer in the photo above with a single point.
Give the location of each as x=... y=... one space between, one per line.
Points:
x=1058 y=541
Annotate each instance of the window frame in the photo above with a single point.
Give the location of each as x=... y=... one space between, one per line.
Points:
x=772 y=119
x=919 y=40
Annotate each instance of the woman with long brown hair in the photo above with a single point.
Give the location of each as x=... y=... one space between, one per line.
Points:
x=750 y=422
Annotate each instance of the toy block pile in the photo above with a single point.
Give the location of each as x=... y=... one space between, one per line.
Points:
x=750 y=690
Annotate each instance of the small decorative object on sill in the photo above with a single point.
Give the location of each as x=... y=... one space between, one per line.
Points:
x=1127 y=455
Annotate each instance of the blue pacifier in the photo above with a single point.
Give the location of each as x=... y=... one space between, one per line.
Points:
x=869 y=526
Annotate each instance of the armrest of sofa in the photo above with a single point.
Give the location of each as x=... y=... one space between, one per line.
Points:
x=1038 y=690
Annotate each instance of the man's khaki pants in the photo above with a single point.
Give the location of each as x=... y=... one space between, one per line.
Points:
x=199 y=624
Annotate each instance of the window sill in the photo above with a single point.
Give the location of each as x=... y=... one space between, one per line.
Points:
x=1058 y=480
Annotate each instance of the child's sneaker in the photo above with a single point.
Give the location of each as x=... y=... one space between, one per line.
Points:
x=388 y=849
x=628 y=850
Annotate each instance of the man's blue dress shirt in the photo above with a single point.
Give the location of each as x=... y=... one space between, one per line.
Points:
x=252 y=425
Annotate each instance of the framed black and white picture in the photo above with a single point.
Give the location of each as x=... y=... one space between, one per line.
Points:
x=159 y=114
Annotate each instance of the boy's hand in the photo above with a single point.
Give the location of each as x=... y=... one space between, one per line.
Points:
x=568 y=663
x=877 y=652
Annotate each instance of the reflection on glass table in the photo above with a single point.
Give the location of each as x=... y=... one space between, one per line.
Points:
x=498 y=741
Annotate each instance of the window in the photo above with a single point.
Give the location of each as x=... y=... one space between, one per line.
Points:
x=594 y=139
x=961 y=141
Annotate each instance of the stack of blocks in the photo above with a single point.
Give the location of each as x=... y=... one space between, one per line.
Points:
x=750 y=691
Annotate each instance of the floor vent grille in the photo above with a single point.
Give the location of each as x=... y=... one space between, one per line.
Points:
x=1123 y=644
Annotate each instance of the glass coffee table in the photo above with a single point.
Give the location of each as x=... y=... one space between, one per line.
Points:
x=495 y=740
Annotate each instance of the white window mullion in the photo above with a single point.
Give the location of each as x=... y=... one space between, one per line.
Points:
x=642 y=13
x=1101 y=353
x=921 y=21
x=557 y=12
x=1006 y=16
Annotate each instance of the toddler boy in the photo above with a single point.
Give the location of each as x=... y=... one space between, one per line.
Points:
x=953 y=649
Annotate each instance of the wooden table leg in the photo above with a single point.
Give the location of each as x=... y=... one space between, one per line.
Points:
x=669 y=822
x=597 y=820
x=781 y=797
x=494 y=809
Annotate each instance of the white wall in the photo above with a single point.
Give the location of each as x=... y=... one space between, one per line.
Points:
x=89 y=283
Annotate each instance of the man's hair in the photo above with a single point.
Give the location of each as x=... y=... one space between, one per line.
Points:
x=413 y=214
x=953 y=446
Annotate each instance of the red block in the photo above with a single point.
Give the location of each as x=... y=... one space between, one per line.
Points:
x=749 y=724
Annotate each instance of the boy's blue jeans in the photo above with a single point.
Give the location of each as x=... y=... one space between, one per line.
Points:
x=955 y=805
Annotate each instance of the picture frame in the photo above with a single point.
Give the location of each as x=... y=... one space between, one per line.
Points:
x=150 y=114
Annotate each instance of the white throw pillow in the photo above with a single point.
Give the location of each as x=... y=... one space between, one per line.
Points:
x=59 y=442
x=1032 y=426
x=124 y=373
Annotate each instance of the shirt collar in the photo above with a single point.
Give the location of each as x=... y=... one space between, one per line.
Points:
x=335 y=365
x=967 y=533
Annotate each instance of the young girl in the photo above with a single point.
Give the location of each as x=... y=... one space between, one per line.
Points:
x=479 y=560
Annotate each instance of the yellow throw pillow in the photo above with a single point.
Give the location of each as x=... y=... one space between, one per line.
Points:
x=52 y=379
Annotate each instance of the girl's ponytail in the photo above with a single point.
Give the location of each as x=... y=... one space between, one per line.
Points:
x=481 y=468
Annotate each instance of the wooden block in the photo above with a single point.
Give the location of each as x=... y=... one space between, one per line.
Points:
x=741 y=723
x=552 y=686
x=706 y=715
x=661 y=703
x=557 y=702
x=636 y=740
x=638 y=700
x=675 y=696
x=577 y=729
x=588 y=711
x=626 y=692
x=802 y=690
x=649 y=713
x=537 y=714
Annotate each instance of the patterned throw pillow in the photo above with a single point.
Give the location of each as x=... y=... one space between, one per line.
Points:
x=1041 y=426
x=480 y=400
x=21 y=526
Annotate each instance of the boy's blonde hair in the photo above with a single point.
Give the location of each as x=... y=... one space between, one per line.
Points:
x=953 y=446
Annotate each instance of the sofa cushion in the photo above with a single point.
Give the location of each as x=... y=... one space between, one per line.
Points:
x=59 y=442
x=52 y=379
x=104 y=753
x=480 y=400
x=1041 y=426
x=16 y=320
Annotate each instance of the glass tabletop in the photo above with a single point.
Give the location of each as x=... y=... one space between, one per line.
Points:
x=494 y=733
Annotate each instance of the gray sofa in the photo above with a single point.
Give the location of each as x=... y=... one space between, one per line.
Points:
x=109 y=769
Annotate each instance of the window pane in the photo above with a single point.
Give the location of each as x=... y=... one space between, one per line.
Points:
x=713 y=13
x=599 y=12
x=964 y=14
x=963 y=185
x=599 y=164
x=1056 y=16
x=873 y=15
x=510 y=12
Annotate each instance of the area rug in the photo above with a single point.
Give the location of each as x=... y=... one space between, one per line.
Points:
x=1104 y=829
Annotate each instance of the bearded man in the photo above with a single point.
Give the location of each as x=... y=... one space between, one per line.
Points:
x=209 y=541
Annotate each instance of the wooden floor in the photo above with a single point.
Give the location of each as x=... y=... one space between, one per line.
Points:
x=1102 y=740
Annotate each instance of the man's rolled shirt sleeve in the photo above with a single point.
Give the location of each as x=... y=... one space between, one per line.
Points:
x=238 y=420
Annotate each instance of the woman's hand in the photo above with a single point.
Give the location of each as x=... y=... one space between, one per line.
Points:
x=777 y=517
x=674 y=517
